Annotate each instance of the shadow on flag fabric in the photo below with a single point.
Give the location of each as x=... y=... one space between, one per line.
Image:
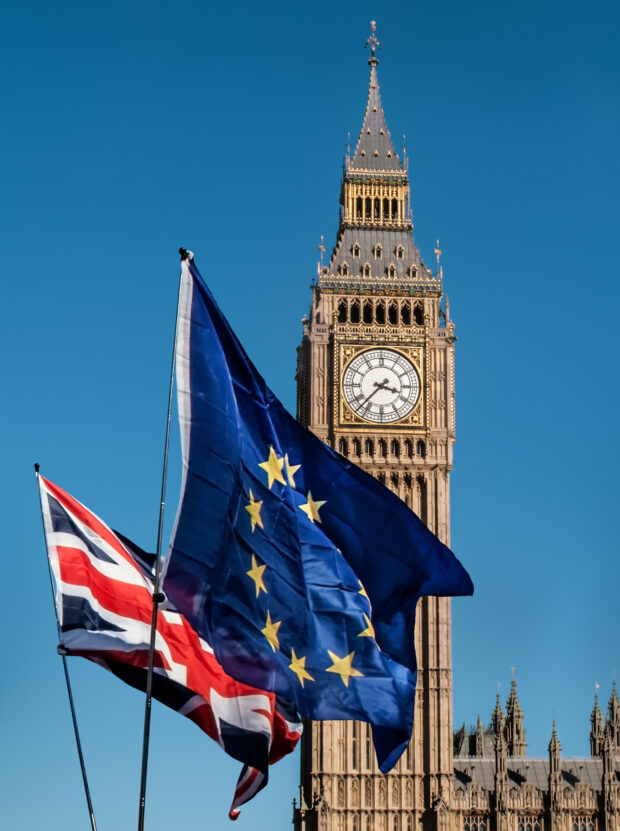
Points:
x=104 y=588
x=300 y=569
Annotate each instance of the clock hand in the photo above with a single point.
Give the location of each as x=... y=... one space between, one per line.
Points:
x=378 y=386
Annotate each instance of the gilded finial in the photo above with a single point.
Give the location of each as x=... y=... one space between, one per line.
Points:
x=321 y=249
x=373 y=40
x=512 y=669
x=438 y=254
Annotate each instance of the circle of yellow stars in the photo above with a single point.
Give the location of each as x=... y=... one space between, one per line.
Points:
x=277 y=468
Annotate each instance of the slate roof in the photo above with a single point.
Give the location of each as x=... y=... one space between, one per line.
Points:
x=375 y=150
x=530 y=771
x=367 y=239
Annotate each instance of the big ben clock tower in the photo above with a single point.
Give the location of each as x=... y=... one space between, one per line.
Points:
x=376 y=382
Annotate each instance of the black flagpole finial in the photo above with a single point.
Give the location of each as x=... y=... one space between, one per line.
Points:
x=185 y=254
x=36 y=467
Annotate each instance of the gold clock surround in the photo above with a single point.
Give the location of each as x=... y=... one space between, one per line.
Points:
x=345 y=353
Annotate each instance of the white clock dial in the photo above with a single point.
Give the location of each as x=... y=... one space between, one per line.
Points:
x=381 y=385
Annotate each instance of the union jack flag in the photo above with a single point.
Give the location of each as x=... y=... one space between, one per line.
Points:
x=104 y=591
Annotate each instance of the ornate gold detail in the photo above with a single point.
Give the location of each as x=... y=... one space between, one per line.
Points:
x=343 y=355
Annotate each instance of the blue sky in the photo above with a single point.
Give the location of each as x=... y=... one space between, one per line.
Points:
x=132 y=128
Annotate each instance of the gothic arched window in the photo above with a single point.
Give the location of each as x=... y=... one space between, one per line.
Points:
x=395 y=447
x=377 y=209
x=377 y=251
x=356 y=248
x=394 y=208
x=392 y=271
x=358 y=207
x=368 y=312
x=369 y=447
x=393 y=314
x=386 y=209
x=408 y=448
x=418 y=314
x=420 y=448
x=405 y=313
x=380 y=312
x=383 y=448
x=357 y=447
x=344 y=269
x=367 y=270
x=368 y=206
x=400 y=251
x=342 y=311
x=343 y=446
x=355 y=311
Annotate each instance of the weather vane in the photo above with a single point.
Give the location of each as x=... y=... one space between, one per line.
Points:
x=373 y=39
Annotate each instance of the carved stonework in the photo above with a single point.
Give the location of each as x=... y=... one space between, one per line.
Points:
x=377 y=293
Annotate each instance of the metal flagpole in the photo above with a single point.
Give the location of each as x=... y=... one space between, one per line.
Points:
x=91 y=812
x=158 y=597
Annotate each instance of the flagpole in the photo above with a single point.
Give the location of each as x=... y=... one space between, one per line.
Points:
x=158 y=597
x=65 y=667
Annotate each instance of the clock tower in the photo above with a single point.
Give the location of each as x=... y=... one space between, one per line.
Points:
x=376 y=382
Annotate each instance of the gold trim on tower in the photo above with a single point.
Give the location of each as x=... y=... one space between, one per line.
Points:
x=347 y=352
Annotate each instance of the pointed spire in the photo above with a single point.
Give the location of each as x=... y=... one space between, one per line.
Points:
x=614 y=702
x=596 y=716
x=515 y=732
x=498 y=716
x=513 y=705
x=479 y=740
x=596 y=728
x=554 y=744
x=613 y=716
x=375 y=150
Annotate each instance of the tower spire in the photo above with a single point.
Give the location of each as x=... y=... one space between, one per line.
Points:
x=375 y=150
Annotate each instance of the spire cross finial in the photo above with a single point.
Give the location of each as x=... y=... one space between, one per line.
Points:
x=321 y=249
x=373 y=40
x=514 y=671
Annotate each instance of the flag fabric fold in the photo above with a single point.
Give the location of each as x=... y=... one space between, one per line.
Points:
x=104 y=588
x=300 y=569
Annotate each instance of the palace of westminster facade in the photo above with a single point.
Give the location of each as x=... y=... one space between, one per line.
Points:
x=377 y=310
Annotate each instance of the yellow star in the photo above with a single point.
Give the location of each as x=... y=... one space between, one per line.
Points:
x=369 y=632
x=343 y=667
x=271 y=632
x=362 y=591
x=291 y=470
x=254 y=511
x=298 y=665
x=311 y=508
x=273 y=468
x=256 y=573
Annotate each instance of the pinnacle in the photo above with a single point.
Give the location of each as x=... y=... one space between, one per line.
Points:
x=554 y=743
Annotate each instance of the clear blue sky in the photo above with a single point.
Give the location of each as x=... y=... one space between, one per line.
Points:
x=130 y=128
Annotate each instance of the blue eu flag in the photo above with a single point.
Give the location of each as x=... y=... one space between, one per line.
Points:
x=300 y=569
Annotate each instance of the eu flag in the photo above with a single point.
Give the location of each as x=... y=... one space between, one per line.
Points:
x=300 y=569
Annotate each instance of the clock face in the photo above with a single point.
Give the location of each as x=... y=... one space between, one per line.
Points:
x=381 y=385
